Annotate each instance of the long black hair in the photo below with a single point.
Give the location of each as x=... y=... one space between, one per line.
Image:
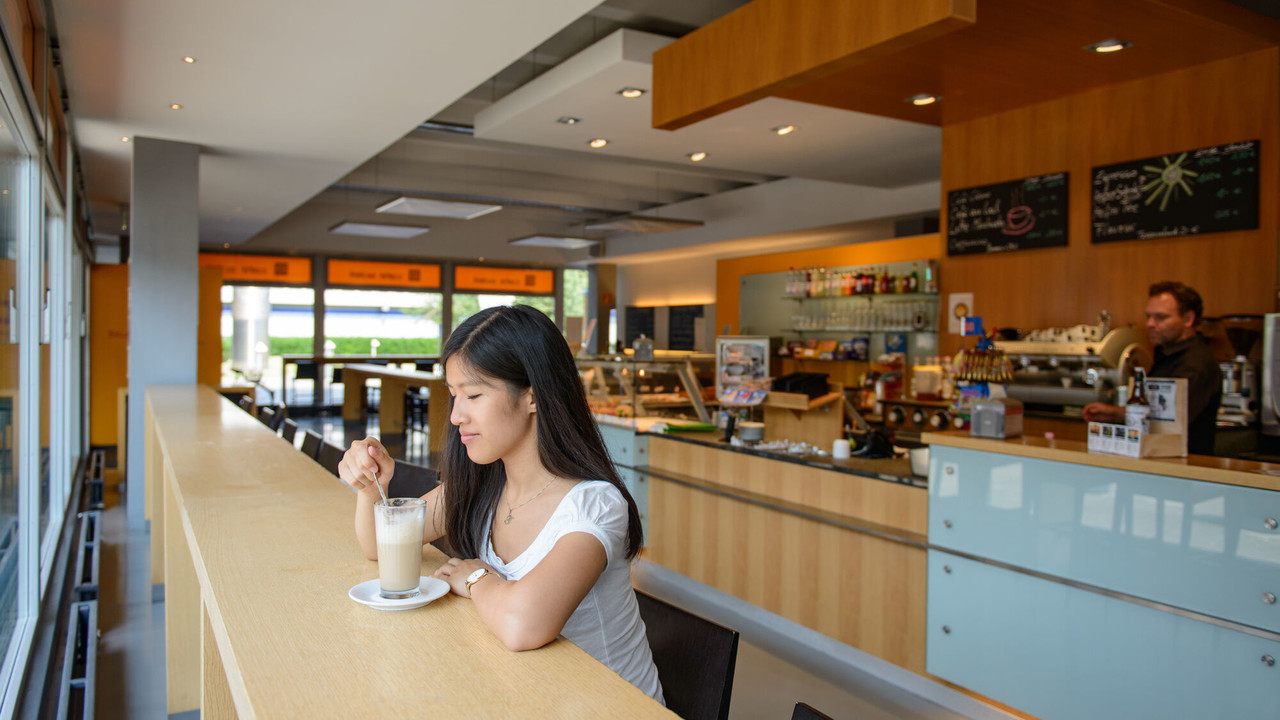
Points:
x=521 y=347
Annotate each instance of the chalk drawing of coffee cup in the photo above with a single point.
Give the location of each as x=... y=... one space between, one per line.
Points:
x=1018 y=220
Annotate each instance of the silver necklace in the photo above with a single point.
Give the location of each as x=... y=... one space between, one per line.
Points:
x=507 y=520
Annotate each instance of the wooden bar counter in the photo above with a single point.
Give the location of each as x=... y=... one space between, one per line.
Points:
x=259 y=554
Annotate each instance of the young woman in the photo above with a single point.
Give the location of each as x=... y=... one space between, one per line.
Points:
x=528 y=497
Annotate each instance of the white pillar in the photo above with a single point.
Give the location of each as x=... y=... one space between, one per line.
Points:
x=163 y=285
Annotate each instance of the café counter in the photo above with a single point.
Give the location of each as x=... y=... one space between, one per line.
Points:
x=835 y=545
x=259 y=553
x=1068 y=584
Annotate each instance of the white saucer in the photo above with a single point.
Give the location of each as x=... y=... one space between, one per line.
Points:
x=429 y=588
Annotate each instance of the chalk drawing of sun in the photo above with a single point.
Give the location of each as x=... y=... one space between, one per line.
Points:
x=1168 y=179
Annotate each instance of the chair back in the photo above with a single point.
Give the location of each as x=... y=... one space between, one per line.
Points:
x=246 y=403
x=289 y=430
x=311 y=442
x=412 y=480
x=307 y=370
x=805 y=712
x=695 y=659
x=425 y=365
x=329 y=456
x=268 y=416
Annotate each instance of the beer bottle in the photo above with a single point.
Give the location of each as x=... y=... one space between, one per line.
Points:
x=1138 y=411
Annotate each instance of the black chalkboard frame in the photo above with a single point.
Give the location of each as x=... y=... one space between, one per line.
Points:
x=1019 y=214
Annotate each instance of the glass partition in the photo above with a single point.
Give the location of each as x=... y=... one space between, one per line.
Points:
x=13 y=245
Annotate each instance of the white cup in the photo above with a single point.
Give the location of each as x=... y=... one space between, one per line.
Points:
x=840 y=449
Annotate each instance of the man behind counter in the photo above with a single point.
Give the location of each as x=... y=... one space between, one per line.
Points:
x=1173 y=309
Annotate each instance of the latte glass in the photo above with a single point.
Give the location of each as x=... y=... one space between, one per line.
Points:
x=398 y=525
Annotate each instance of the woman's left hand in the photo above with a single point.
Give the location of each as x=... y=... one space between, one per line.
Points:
x=455 y=572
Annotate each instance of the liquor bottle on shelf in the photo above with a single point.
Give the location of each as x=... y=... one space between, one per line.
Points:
x=915 y=278
x=885 y=286
x=930 y=276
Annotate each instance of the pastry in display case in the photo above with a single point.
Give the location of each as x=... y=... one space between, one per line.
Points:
x=672 y=385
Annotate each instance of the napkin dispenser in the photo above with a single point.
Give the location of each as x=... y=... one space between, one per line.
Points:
x=995 y=418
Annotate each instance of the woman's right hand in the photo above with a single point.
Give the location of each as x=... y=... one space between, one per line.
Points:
x=360 y=463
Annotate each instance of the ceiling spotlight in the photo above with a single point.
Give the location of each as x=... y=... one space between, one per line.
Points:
x=697 y=156
x=568 y=120
x=1108 y=46
x=923 y=99
x=226 y=245
x=598 y=143
x=175 y=106
x=784 y=129
x=189 y=60
x=124 y=139
x=630 y=92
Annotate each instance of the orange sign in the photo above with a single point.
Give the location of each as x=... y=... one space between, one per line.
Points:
x=384 y=274
x=260 y=268
x=511 y=280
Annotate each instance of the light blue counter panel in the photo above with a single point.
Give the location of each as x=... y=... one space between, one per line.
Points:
x=1061 y=653
x=1196 y=545
x=625 y=446
x=638 y=485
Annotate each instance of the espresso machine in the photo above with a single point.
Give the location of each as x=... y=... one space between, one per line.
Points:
x=1056 y=368
x=1240 y=384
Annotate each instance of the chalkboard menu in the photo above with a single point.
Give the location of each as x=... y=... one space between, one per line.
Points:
x=682 y=321
x=1213 y=189
x=1014 y=215
x=637 y=320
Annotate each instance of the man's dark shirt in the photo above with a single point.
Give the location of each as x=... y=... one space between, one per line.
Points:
x=1192 y=359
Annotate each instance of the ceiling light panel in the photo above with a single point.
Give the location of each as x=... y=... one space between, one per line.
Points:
x=555 y=241
x=427 y=207
x=399 y=232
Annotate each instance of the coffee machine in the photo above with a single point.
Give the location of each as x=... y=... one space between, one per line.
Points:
x=1240 y=385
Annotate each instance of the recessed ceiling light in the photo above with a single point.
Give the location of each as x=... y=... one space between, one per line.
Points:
x=1109 y=45
x=784 y=129
x=401 y=232
x=598 y=143
x=630 y=92
x=555 y=241
x=438 y=208
x=175 y=106
x=124 y=139
x=697 y=156
x=568 y=120
x=189 y=60
x=923 y=99
x=226 y=245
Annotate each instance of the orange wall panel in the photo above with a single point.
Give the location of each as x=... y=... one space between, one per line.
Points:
x=108 y=348
x=209 y=328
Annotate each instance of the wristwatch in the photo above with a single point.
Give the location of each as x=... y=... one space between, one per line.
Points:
x=476 y=576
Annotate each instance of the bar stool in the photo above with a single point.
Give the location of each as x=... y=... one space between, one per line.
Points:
x=306 y=370
x=416 y=402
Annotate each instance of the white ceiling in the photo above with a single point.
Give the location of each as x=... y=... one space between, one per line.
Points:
x=308 y=115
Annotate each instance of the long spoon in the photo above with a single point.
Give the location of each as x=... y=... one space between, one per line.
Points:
x=381 y=492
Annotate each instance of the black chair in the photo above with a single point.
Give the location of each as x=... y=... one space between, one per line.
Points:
x=334 y=379
x=246 y=403
x=311 y=443
x=306 y=370
x=329 y=456
x=804 y=712
x=425 y=365
x=416 y=401
x=695 y=659
x=289 y=430
x=412 y=480
x=270 y=416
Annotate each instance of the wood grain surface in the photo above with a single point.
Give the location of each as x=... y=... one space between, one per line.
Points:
x=860 y=589
x=273 y=551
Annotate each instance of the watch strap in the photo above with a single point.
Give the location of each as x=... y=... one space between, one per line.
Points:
x=487 y=572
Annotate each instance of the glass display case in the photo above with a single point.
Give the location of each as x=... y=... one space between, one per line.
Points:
x=673 y=384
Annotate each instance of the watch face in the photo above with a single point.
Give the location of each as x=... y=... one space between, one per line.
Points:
x=476 y=575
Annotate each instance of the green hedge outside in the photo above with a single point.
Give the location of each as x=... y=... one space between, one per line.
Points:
x=347 y=346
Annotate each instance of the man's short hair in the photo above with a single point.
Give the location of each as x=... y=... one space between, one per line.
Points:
x=1187 y=297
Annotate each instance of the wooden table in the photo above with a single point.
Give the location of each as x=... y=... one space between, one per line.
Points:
x=259 y=553
x=321 y=360
x=391 y=406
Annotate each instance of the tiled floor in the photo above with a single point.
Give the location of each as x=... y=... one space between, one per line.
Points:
x=131 y=684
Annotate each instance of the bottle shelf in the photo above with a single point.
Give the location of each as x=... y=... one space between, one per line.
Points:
x=871 y=298
x=842 y=329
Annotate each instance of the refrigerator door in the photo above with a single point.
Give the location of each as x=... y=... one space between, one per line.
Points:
x=1270 y=374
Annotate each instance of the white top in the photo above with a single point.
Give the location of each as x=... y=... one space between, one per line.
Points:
x=607 y=623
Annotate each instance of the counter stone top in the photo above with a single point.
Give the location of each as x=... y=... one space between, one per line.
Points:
x=895 y=470
x=1229 y=471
